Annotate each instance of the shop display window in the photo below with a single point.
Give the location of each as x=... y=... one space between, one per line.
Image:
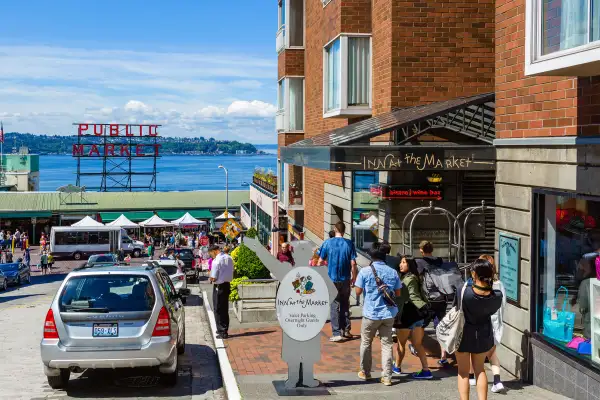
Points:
x=568 y=289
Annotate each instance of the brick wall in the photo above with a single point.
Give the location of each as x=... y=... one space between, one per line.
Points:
x=531 y=106
x=285 y=139
x=290 y=62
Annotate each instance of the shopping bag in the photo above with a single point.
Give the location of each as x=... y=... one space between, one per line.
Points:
x=558 y=324
x=585 y=348
x=450 y=329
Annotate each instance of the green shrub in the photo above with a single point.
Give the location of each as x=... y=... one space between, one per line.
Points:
x=233 y=295
x=246 y=263
x=251 y=233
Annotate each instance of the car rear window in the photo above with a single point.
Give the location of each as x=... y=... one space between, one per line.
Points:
x=170 y=269
x=107 y=293
x=185 y=254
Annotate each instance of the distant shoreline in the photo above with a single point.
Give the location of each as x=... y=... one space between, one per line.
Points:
x=263 y=153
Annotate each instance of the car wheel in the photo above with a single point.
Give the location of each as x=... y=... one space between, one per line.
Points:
x=136 y=253
x=77 y=256
x=171 y=378
x=181 y=346
x=61 y=381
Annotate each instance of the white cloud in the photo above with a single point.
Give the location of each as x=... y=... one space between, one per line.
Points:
x=45 y=89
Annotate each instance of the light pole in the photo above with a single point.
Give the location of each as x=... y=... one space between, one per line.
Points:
x=226 y=191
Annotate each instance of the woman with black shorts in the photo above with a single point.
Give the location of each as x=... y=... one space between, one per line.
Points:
x=479 y=303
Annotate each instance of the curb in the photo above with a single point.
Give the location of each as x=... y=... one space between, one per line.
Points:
x=229 y=381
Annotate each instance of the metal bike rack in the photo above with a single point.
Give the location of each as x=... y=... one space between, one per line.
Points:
x=431 y=210
x=462 y=239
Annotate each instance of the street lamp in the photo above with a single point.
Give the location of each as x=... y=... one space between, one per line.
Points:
x=226 y=191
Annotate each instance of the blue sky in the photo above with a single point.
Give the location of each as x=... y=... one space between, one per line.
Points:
x=200 y=68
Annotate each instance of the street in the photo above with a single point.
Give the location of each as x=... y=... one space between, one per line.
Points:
x=22 y=312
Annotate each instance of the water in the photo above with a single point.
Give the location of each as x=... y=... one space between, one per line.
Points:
x=175 y=173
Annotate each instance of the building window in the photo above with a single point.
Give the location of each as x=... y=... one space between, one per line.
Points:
x=365 y=214
x=290 y=32
x=568 y=241
x=253 y=213
x=562 y=37
x=290 y=103
x=347 y=76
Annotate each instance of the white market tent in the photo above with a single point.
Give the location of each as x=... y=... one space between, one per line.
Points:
x=222 y=217
x=367 y=223
x=123 y=222
x=188 y=220
x=155 y=222
x=88 y=222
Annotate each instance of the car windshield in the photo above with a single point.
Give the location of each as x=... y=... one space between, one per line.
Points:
x=171 y=269
x=107 y=293
x=102 y=258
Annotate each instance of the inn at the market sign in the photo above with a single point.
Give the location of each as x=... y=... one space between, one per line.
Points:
x=391 y=158
x=119 y=140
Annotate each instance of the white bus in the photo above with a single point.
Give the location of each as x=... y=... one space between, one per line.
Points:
x=80 y=242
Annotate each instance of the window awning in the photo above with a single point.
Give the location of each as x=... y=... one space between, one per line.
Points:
x=471 y=119
x=169 y=215
x=26 y=214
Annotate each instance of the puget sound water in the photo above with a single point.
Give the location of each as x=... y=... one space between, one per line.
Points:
x=175 y=172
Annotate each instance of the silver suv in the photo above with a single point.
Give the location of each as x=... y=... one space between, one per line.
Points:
x=114 y=317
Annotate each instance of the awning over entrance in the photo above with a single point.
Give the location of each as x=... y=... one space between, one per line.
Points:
x=26 y=214
x=471 y=119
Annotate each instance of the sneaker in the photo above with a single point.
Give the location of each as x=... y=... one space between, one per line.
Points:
x=497 y=387
x=396 y=370
x=472 y=381
x=336 y=339
x=363 y=376
x=348 y=335
x=422 y=375
x=412 y=349
x=443 y=362
x=386 y=381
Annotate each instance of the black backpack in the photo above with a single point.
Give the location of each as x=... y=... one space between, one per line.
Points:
x=387 y=293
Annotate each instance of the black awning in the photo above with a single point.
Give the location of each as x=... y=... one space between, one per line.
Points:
x=347 y=148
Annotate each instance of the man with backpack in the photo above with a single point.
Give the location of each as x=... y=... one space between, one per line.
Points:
x=380 y=285
x=440 y=281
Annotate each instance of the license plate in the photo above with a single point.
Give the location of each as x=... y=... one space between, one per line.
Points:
x=105 y=330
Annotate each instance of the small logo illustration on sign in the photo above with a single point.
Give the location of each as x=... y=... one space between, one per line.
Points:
x=303 y=285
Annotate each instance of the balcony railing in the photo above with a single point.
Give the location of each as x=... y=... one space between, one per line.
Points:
x=280 y=40
x=272 y=188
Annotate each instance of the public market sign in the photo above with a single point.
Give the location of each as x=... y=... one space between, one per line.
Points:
x=302 y=303
x=106 y=143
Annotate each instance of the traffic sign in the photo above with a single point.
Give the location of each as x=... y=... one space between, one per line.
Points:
x=231 y=229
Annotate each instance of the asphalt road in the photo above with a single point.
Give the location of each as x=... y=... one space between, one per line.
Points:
x=22 y=312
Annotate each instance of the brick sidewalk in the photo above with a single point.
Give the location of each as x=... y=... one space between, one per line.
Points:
x=257 y=351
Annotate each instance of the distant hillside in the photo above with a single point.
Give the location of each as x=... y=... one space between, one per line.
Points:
x=54 y=144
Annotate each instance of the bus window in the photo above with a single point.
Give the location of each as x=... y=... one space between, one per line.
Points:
x=71 y=238
x=93 y=238
x=103 y=237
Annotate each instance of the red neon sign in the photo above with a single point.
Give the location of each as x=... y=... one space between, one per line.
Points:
x=115 y=150
x=405 y=192
x=116 y=130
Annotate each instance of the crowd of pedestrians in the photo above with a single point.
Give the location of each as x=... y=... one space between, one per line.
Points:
x=422 y=289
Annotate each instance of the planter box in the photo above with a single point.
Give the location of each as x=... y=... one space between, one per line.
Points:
x=256 y=303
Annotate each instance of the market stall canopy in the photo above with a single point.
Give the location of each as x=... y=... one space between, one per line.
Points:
x=224 y=217
x=88 y=222
x=155 y=222
x=123 y=222
x=187 y=219
x=367 y=223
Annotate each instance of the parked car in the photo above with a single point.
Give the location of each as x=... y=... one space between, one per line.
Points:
x=114 y=317
x=191 y=263
x=16 y=273
x=4 y=281
x=177 y=276
x=101 y=260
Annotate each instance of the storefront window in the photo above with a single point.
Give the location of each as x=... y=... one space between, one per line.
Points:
x=568 y=247
x=365 y=216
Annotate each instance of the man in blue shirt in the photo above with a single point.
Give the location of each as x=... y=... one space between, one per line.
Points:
x=377 y=315
x=340 y=255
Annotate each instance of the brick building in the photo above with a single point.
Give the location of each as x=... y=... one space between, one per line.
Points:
x=386 y=106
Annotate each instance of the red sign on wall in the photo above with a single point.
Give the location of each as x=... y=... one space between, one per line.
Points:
x=116 y=130
x=113 y=140
x=407 y=192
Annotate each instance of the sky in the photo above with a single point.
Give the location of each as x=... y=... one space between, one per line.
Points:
x=198 y=67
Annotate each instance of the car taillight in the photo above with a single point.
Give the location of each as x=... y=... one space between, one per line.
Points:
x=50 y=331
x=180 y=278
x=163 y=324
